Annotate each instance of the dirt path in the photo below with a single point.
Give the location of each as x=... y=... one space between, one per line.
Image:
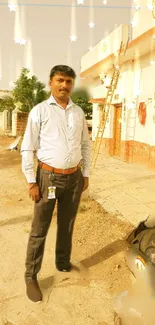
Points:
x=82 y=297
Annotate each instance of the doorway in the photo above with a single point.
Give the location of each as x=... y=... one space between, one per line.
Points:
x=117 y=130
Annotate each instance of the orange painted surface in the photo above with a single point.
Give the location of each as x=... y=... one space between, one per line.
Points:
x=97 y=100
x=132 y=152
x=117 y=131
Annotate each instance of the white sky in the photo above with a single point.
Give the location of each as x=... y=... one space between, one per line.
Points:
x=48 y=29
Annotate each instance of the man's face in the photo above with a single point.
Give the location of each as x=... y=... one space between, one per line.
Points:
x=61 y=86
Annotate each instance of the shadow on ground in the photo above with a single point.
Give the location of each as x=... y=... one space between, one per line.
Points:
x=14 y=221
x=105 y=253
x=47 y=282
x=9 y=158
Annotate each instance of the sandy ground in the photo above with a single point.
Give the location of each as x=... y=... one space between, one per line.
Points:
x=82 y=297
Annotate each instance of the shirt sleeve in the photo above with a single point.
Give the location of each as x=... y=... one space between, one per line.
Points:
x=30 y=144
x=85 y=150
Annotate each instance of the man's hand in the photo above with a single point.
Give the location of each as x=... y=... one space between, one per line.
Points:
x=34 y=193
x=86 y=183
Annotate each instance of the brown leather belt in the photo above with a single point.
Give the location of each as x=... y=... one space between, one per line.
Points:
x=58 y=170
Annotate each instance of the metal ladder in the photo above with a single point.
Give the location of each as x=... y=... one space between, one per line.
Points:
x=107 y=103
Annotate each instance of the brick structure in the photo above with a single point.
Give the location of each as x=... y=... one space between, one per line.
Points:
x=19 y=122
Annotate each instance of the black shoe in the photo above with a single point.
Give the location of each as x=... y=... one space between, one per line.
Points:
x=64 y=268
x=33 y=291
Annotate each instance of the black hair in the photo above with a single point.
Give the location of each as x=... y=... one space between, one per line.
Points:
x=62 y=69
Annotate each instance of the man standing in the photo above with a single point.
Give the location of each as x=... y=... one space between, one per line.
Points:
x=58 y=133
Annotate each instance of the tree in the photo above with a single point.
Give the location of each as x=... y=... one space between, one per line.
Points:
x=80 y=97
x=28 y=90
x=7 y=102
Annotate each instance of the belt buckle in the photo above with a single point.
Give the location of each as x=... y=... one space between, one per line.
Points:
x=63 y=171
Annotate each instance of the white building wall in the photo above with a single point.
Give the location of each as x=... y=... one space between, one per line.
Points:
x=136 y=83
x=125 y=92
x=100 y=92
x=142 y=18
x=146 y=133
x=108 y=132
x=106 y=47
x=135 y=87
x=95 y=120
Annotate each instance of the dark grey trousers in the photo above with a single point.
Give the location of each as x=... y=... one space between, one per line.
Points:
x=68 y=193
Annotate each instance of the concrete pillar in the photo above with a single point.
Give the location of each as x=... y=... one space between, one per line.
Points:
x=5 y=120
x=9 y=120
x=14 y=121
x=1 y=120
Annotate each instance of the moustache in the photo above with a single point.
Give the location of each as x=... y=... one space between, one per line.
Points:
x=64 y=89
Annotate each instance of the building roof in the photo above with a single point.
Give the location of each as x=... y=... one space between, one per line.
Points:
x=5 y=93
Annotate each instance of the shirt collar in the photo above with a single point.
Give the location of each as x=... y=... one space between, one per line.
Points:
x=51 y=100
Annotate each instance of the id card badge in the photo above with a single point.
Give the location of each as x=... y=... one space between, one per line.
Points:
x=51 y=192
